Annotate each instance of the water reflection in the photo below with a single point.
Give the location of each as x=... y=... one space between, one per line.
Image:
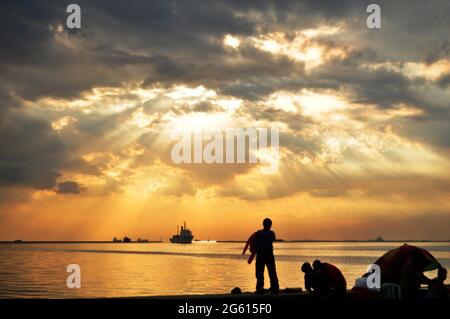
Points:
x=112 y=270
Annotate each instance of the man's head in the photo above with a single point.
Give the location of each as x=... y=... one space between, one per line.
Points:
x=306 y=268
x=442 y=274
x=317 y=265
x=267 y=223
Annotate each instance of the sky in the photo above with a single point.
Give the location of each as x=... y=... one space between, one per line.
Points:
x=86 y=118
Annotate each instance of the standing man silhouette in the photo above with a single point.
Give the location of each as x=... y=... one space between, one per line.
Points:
x=264 y=239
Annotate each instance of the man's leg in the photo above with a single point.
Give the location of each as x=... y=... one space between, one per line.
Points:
x=259 y=270
x=270 y=262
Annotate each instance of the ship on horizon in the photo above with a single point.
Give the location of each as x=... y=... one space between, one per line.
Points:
x=184 y=236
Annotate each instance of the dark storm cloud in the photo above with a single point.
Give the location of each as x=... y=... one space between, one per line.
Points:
x=382 y=87
x=68 y=187
x=442 y=51
x=32 y=155
x=97 y=125
x=425 y=130
x=180 y=42
x=26 y=161
x=32 y=54
x=24 y=30
x=444 y=81
x=252 y=76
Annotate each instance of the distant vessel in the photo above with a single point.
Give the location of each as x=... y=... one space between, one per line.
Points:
x=183 y=237
x=378 y=239
x=126 y=240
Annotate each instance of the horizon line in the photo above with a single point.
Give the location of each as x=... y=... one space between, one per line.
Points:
x=19 y=241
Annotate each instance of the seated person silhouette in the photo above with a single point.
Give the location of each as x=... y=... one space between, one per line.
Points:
x=330 y=279
x=436 y=288
x=411 y=279
x=312 y=283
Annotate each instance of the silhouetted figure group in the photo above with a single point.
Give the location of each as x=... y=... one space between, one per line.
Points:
x=324 y=279
x=402 y=267
x=402 y=274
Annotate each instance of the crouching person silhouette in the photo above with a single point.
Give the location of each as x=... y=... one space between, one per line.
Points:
x=264 y=239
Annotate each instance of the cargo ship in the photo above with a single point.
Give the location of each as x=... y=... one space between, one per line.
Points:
x=184 y=236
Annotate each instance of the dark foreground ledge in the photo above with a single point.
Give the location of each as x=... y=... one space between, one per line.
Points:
x=245 y=305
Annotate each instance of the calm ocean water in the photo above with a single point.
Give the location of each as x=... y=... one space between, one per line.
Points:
x=107 y=270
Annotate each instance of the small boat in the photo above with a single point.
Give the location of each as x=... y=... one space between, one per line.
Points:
x=184 y=236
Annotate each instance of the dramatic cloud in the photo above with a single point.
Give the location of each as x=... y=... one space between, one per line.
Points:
x=363 y=114
x=68 y=187
x=32 y=153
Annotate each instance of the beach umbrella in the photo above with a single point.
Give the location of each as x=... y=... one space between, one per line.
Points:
x=394 y=260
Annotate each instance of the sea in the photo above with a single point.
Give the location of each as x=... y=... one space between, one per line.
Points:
x=39 y=270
